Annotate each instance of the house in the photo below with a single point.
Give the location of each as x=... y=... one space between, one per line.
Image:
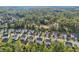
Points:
x=31 y=32
x=5 y=37
x=24 y=31
x=15 y=37
x=68 y=38
x=24 y=39
x=5 y=30
x=18 y=31
x=5 y=25
x=39 y=40
x=55 y=35
x=74 y=36
x=30 y=39
x=11 y=30
x=0 y=21
x=38 y=34
x=47 y=42
x=69 y=44
x=47 y=34
x=2 y=31
x=64 y=36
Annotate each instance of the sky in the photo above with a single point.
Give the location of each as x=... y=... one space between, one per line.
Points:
x=39 y=2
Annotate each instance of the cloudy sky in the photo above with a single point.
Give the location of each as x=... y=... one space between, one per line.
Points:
x=39 y=2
